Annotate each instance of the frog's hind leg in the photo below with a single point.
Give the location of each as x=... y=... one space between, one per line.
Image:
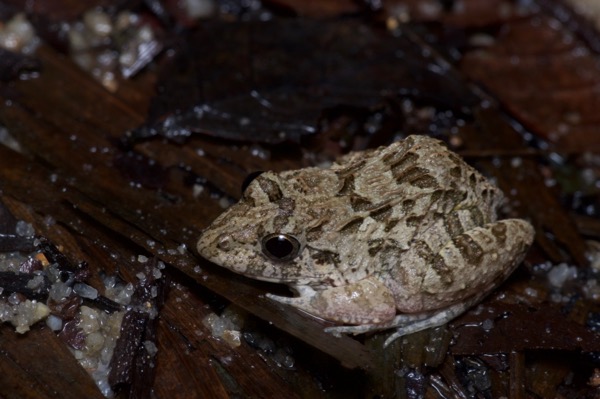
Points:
x=431 y=320
x=463 y=272
x=409 y=323
x=466 y=269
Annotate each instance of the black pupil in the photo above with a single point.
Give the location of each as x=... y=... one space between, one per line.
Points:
x=279 y=247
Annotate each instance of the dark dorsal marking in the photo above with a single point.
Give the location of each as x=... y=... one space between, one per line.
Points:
x=442 y=269
x=453 y=225
x=375 y=246
x=423 y=251
x=469 y=249
x=347 y=186
x=360 y=204
x=499 y=231
x=352 y=226
x=326 y=257
x=270 y=188
x=382 y=213
x=400 y=163
x=350 y=169
x=390 y=225
x=418 y=177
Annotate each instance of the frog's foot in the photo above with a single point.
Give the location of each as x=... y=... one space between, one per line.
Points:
x=399 y=320
x=367 y=301
x=431 y=320
x=402 y=319
x=409 y=323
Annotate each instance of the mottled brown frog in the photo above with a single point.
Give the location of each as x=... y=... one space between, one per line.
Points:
x=403 y=236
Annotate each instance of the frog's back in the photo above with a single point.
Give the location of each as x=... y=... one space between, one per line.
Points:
x=413 y=189
x=418 y=203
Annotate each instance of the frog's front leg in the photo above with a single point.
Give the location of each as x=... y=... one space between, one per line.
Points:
x=366 y=301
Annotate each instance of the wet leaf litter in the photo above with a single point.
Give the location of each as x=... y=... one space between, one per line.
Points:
x=109 y=216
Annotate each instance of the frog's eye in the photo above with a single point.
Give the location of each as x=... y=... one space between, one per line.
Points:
x=280 y=247
x=250 y=178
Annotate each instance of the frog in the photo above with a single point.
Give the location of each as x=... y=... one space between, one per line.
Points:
x=403 y=237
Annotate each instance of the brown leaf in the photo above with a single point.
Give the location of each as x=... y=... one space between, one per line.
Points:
x=511 y=327
x=37 y=366
x=273 y=81
x=317 y=8
x=545 y=77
